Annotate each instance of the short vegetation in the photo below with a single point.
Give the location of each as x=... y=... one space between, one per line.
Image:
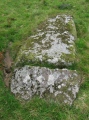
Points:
x=18 y=21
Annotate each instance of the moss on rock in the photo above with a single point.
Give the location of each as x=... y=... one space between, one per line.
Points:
x=53 y=43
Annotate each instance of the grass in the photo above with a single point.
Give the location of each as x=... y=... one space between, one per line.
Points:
x=18 y=20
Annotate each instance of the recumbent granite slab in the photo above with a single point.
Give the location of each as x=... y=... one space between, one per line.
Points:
x=52 y=44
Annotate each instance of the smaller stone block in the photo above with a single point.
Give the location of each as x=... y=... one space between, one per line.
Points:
x=60 y=85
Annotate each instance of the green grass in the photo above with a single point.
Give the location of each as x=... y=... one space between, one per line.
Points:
x=18 y=20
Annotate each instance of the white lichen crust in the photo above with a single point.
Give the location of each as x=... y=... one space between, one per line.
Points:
x=53 y=43
x=61 y=85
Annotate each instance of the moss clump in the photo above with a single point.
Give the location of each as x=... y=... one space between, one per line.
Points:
x=65 y=6
x=68 y=58
x=70 y=26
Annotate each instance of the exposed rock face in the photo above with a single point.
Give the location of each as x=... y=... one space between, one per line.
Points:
x=60 y=85
x=53 y=43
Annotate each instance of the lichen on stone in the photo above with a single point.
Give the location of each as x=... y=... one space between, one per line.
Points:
x=50 y=42
x=52 y=45
x=47 y=83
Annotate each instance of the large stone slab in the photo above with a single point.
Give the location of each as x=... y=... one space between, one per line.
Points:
x=60 y=85
x=53 y=43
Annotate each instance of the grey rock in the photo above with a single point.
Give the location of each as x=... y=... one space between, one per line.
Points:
x=60 y=85
x=53 y=43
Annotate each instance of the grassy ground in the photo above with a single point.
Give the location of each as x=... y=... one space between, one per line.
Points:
x=18 y=20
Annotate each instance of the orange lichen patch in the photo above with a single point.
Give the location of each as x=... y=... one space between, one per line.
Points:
x=1 y=56
x=1 y=60
x=7 y=68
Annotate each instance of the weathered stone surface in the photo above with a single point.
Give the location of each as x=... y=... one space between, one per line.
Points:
x=53 y=43
x=61 y=85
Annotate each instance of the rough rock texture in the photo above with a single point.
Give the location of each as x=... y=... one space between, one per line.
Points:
x=53 y=43
x=61 y=85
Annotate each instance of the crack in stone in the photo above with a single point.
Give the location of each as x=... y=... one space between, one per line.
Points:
x=53 y=44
